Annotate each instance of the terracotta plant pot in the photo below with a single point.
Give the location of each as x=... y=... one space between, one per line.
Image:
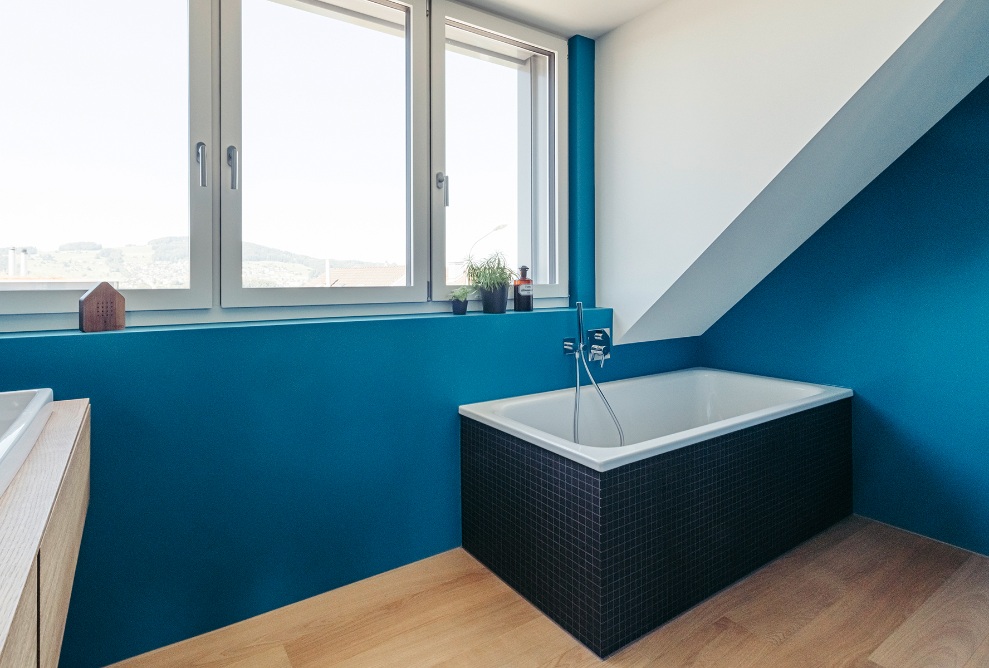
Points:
x=494 y=301
x=459 y=306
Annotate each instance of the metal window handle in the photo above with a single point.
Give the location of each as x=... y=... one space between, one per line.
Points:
x=201 y=159
x=443 y=181
x=233 y=159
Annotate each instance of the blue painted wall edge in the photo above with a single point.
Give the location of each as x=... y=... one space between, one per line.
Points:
x=581 y=138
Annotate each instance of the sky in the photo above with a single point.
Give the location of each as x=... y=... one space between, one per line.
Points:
x=93 y=126
x=94 y=131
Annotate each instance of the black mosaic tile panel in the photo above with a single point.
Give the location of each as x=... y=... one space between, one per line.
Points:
x=533 y=518
x=611 y=556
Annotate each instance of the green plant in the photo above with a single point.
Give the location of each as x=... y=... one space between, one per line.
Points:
x=462 y=294
x=490 y=273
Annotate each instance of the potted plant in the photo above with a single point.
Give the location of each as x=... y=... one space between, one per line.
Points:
x=491 y=276
x=459 y=298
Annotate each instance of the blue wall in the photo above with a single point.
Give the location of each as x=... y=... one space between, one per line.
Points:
x=239 y=468
x=891 y=298
x=581 y=145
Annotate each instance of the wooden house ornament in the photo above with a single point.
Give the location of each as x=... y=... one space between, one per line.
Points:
x=101 y=309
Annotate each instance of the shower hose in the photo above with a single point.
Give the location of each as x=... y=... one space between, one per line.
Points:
x=581 y=357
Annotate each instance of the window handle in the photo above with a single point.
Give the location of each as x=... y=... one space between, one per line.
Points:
x=443 y=182
x=233 y=159
x=201 y=159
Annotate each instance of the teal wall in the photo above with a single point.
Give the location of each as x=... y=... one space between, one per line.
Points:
x=891 y=298
x=581 y=144
x=239 y=468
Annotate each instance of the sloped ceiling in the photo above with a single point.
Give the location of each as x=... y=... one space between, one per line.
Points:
x=728 y=131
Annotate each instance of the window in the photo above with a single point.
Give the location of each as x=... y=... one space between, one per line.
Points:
x=321 y=119
x=495 y=141
x=95 y=134
x=357 y=154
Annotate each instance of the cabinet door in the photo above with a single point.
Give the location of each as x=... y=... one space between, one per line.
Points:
x=60 y=549
x=21 y=648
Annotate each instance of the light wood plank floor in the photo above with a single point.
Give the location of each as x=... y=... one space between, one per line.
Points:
x=862 y=595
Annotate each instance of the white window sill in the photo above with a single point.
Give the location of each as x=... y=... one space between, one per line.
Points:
x=68 y=321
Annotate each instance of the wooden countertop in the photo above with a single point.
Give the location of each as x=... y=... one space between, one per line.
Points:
x=27 y=503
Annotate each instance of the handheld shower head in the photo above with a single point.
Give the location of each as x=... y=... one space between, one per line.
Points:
x=580 y=324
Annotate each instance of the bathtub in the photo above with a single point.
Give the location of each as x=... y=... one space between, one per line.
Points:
x=721 y=473
x=658 y=413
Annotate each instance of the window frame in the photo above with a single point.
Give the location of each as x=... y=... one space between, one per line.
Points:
x=232 y=292
x=536 y=40
x=199 y=295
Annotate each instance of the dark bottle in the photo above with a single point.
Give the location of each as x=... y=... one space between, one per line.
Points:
x=523 y=291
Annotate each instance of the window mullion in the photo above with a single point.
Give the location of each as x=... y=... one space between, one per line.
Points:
x=437 y=149
x=528 y=236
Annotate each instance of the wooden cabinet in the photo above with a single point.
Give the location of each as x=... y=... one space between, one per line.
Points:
x=41 y=520
x=59 y=550
x=21 y=648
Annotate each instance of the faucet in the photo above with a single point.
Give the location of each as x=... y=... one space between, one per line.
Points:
x=600 y=341
x=600 y=350
x=600 y=345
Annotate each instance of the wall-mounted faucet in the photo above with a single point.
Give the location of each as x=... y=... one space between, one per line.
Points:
x=599 y=350
x=600 y=345
x=598 y=341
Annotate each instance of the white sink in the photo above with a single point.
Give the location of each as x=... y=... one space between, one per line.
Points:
x=23 y=415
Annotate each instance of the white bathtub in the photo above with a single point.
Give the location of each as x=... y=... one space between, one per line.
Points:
x=658 y=413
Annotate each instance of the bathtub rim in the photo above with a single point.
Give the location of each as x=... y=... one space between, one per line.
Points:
x=606 y=459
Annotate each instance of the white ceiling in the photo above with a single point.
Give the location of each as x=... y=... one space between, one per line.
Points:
x=591 y=18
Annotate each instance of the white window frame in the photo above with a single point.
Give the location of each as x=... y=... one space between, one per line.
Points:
x=215 y=294
x=551 y=282
x=232 y=292
x=199 y=295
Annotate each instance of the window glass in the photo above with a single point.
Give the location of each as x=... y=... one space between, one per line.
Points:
x=325 y=149
x=94 y=136
x=496 y=141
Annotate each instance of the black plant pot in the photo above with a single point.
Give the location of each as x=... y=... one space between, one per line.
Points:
x=495 y=301
x=459 y=306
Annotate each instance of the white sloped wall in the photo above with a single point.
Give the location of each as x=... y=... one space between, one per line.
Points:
x=728 y=131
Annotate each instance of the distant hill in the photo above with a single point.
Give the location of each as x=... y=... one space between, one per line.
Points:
x=170 y=249
x=164 y=263
x=259 y=253
x=81 y=246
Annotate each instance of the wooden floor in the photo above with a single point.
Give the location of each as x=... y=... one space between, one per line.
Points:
x=861 y=594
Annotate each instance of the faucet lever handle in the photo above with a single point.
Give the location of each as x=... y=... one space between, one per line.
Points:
x=600 y=340
x=570 y=346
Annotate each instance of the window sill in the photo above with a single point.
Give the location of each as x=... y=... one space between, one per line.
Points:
x=67 y=322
